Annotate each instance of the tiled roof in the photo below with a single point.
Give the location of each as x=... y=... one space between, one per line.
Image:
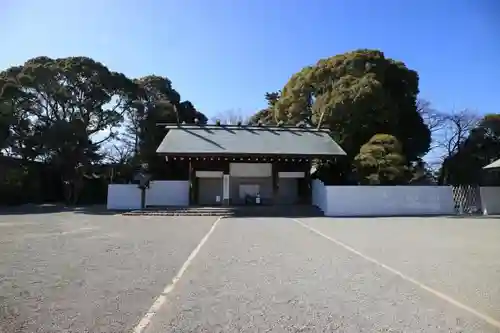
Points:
x=259 y=140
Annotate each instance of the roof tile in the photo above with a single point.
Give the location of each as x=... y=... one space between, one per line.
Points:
x=220 y=140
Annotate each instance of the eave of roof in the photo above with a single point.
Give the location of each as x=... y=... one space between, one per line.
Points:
x=494 y=165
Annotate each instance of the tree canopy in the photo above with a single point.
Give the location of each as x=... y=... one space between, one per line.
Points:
x=480 y=147
x=357 y=95
x=157 y=102
x=267 y=115
x=381 y=161
x=62 y=111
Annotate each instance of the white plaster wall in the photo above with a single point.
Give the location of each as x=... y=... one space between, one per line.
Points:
x=319 y=196
x=123 y=196
x=168 y=193
x=384 y=200
x=490 y=200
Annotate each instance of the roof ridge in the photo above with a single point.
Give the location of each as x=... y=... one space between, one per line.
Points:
x=242 y=127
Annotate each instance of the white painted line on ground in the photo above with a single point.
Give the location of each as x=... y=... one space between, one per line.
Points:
x=160 y=300
x=439 y=294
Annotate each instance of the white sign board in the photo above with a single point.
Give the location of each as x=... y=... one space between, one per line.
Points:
x=296 y=174
x=225 y=187
x=254 y=170
x=209 y=174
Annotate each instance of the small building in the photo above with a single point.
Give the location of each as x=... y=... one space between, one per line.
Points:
x=238 y=164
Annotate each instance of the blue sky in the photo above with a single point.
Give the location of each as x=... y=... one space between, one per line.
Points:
x=225 y=54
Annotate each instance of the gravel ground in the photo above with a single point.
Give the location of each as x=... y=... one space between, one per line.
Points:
x=457 y=256
x=69 y=272
x=273 y=275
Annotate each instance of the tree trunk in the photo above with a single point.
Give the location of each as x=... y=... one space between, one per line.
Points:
x=77 y=190
x=66 y=191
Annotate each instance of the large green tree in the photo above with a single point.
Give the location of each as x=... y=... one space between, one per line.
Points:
x=357 y=95
x=61 y=106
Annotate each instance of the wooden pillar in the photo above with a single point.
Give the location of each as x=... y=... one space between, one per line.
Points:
x=275 y=180
x=301 y=189
x=194 y=188
x=301 y=184
x=307 y=183
x=192 y=178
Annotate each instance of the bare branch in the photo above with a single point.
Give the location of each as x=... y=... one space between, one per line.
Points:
x=434 y=119
x=448 y=130
x=119 y=153
x=231 y=117
x=110 y=135
x=456 y=130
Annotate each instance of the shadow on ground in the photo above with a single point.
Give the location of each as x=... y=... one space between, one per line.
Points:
x=476 y=217
x=55 y=208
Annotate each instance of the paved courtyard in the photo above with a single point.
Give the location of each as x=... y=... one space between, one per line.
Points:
x=85 y=272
